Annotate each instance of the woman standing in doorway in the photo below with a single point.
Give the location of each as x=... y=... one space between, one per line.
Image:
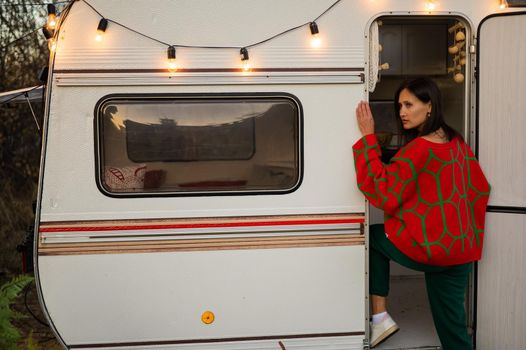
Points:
x=434 y=196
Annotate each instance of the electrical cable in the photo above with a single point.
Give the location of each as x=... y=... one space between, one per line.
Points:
x=160 y=41
x=26 y=292
x=165 y=43
x=211 y=47
x=20 y=38
x=125 y=27
x=327 y=10
x=35 y=30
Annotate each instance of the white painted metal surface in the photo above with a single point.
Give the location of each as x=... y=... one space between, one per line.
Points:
x=328 y=181
x=304 y=297
x=150 y=287
x=501 y=309
x=502 y=108
x=161 y=296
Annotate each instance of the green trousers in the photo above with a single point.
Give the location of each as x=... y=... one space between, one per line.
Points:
x=446 y=288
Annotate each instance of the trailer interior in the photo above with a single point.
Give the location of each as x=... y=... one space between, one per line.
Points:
x=411 y=46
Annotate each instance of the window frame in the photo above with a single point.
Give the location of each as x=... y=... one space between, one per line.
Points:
x=98 y=140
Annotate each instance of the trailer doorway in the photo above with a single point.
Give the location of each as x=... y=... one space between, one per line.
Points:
x=403 y=47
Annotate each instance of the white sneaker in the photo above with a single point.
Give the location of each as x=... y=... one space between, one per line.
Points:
x=383 y=330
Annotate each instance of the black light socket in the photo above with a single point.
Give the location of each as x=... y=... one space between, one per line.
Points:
x=244 y=54
x=48 y=34
x=103 y=24
x=171 y=52
x=51 y=10
x=313 y=28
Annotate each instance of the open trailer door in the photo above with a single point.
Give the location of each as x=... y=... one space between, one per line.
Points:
x=501 y=306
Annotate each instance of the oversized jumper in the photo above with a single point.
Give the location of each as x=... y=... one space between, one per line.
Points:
x=434 y=197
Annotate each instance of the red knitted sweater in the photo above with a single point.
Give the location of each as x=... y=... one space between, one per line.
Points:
x=434 y=197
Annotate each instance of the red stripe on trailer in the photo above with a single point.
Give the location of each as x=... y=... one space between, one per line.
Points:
x=202 y=225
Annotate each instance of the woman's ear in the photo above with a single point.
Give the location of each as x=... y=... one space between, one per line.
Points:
x=429 y=107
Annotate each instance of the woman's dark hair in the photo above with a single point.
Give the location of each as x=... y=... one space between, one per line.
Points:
x=426 y=91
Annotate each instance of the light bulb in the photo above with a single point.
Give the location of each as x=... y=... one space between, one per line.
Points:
x=246 y=66
x=315 y=41
x=51 y=16
x=430 y=5
x=244 y=59
x=101 y=29
x=172 y=64
x=315 y=35
x=51 y=21
x=503 y=4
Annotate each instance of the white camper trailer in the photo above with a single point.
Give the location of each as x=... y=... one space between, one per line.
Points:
x=197 y=188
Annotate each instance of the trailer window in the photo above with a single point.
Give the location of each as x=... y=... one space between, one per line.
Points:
x=189 y=144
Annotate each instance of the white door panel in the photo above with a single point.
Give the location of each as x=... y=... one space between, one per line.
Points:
x=501 y=312
x=501 y=307
x=502 y=108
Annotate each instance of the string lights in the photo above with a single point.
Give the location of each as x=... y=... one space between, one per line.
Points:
x=243 y=51
x=49 y=30
x=429 y=5
x=51 y=16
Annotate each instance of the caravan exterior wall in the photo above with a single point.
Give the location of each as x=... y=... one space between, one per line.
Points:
x=269 y=242
x=254 y=236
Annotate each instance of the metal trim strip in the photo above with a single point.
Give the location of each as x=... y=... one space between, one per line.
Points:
x=222 y=340
x=208 y=70
x=199 y=244
x=199 y=234
x=44 y=227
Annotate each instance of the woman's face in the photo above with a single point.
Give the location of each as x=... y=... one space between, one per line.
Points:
x=413 y=112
